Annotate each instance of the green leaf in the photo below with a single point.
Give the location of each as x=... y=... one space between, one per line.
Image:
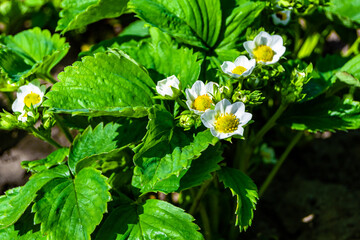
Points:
x=246 y=193
x=195 y=22
x=53 y=159
x=352 y=67
x=345 y=9
x=201 y=168
x=87 y=144
x=15 y=202
x=33 y=51
x=347 y=78
x=323 y=76
x=238 y=19
x=32 y=236
x=106 y=84
x=164 y=59
x=166 y=154
x=323 y=114
x=8 y=233
x=79 y=13
x=154 y=220
x=71 y=208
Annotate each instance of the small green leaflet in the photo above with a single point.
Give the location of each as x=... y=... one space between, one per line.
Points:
x=323 y=114
x=345 y=9
x=54 y=158
x=323 y=76
x=87 y=144
x=105 y=84
x=246 y=193
x=15 y=202
x=79 y=13
x=8 y=233
x=350 y=72
x=194 y=22
x=71 y=208
x=166 y=154
x=164 y=59
x=33 y=51
x=201 y=168
x=154 y=220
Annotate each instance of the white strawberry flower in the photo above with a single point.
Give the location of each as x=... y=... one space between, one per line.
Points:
x=200 y=97
x=242 y=66
x=226 y=119
x=281 y=17
x=265 y=48
x=28 y=95
x=169 y=87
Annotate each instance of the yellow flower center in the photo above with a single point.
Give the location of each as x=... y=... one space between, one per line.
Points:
x=263 y=53
x=239 y=70
x=32 y=99
x=282 y=16
x=202 y=103
x=226 y=123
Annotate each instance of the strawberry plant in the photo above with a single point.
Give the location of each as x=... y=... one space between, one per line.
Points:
x=185 y=103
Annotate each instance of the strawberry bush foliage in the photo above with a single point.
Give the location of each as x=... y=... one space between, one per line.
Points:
x=181 y=103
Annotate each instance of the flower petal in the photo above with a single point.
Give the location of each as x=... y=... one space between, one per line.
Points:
x=241 y=61
x=208 y=118
x=199 y=88
x=234 y=108
x=227 y=67
x=221 y=106
x=209 y=88
x=239 y=131
x=245 y=118
x=249 y=47
x=276 y=42
x=263 y=38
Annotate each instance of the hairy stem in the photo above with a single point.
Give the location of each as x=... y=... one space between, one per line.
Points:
x=181 y=103
x=276 y=168
x=271 y=123
x=248 y=149
x=63 y=128
x=205 y=221
x=37 y=134
x=199 y=196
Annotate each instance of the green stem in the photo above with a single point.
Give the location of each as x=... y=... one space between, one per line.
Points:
x=181 y=103
x=276 y=168
x=248 y=149
x=63 y=128
x=271 y=123
x=48 y=77
x=205 y=221
x=198 y=197
x=36 y=133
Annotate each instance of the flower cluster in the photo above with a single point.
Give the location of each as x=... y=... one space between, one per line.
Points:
x=264 y=49
x=28 y=96
x=223 y=118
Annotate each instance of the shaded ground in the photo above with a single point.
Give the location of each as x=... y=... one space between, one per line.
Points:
x=315 y=196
